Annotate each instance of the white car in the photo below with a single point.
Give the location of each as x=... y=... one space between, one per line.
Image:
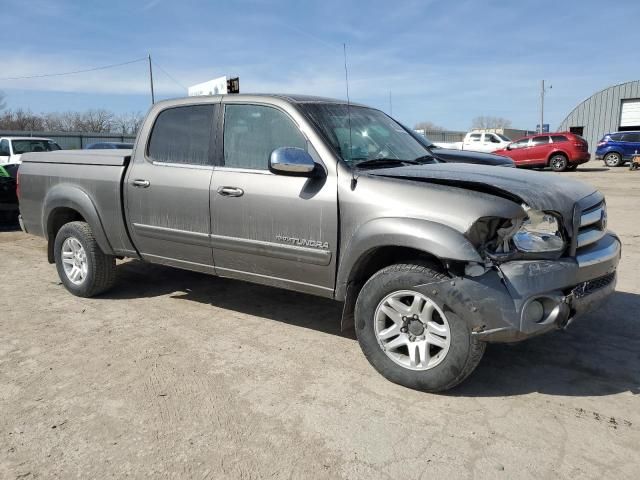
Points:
x=479 y=141
x=11 y=148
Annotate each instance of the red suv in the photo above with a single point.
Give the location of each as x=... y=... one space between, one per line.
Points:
x=560 y=151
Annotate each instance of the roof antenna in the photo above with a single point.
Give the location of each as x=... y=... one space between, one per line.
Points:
x=346 y=80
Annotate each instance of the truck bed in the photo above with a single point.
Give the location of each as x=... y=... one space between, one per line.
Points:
x=84 y=180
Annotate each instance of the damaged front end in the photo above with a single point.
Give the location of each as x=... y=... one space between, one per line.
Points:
x=542 y=286
x=533 y=235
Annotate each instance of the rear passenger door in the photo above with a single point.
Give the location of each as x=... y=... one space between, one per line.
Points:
x=167 y=188
x=538 y=150
x=268 y=228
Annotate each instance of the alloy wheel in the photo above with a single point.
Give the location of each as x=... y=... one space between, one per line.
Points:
x=74 y=261
x=412 y=330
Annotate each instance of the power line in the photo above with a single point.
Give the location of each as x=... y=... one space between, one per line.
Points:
x=104 y=67
x=168 y=75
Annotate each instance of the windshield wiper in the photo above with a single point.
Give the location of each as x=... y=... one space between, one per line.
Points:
x=383 y=162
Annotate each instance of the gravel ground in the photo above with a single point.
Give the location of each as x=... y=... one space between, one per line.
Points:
x=175 y=374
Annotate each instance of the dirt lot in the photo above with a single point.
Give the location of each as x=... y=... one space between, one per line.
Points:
x=179 y=375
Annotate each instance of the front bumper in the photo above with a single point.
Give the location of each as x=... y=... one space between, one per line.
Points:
x=498 y=299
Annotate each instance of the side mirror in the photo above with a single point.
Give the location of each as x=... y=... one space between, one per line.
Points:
x=292 y=161
x=509 y=147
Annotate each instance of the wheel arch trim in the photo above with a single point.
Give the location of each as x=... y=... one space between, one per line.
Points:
x=74 y=198
x=432 y=238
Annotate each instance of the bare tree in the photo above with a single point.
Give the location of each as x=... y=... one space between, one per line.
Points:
x=428 y=126
x=487 y=121
x=95 y=120
x=128 y=123
x=3 y=103
x=20 y=119
x=59 y=122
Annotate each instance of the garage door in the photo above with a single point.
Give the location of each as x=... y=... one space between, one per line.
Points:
x=630 y=116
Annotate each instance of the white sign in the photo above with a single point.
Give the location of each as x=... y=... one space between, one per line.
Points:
x=217 y=86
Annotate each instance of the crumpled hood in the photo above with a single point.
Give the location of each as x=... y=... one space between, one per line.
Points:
x=540 y=190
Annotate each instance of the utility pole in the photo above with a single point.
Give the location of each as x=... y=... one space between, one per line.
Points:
x=543 y=90
x=153 y=99
x=542 y=107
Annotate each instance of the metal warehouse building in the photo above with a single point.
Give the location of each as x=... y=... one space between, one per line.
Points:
x=613 y=109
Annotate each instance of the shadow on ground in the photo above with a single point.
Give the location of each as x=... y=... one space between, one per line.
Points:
x=598 y=355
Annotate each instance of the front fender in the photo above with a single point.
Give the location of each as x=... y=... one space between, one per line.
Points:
x=73 y=197
x=433 y=238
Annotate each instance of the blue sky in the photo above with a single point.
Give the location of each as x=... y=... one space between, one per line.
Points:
x=443 y=61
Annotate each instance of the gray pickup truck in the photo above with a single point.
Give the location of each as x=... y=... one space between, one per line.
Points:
x=432 y=260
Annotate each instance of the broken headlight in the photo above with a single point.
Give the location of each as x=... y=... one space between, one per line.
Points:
x=539 y=232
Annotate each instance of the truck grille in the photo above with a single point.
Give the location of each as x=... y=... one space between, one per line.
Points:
x=592 y=225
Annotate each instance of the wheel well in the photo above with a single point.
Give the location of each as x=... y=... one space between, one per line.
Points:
x=375 y=260
x=57 y=218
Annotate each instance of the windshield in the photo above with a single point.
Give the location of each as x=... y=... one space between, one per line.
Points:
x=374 y=137
x=506 y=139
x=28 y=146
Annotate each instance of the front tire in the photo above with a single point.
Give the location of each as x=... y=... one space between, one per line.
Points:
x=407 y=333
x=83 y=268
x=613 y=159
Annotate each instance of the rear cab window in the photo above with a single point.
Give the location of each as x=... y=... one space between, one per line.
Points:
x=491 y=138
x=182 y=135
x=28 y=146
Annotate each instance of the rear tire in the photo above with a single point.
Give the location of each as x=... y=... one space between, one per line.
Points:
x=558 y=162
x=613 y=159
x=83 y=268
x=444 y=351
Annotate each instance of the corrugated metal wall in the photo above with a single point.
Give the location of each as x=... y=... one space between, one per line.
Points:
x=72 y=140
x=600 y=113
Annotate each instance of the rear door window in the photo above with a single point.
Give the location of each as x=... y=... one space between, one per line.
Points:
x=539 y=140
x=182 y=135
x=475 y=137
x=558 y=138
x=616 y=137
x=632 y=137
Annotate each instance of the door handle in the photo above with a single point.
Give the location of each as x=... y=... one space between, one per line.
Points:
x=230 y=191
x=141 y=183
